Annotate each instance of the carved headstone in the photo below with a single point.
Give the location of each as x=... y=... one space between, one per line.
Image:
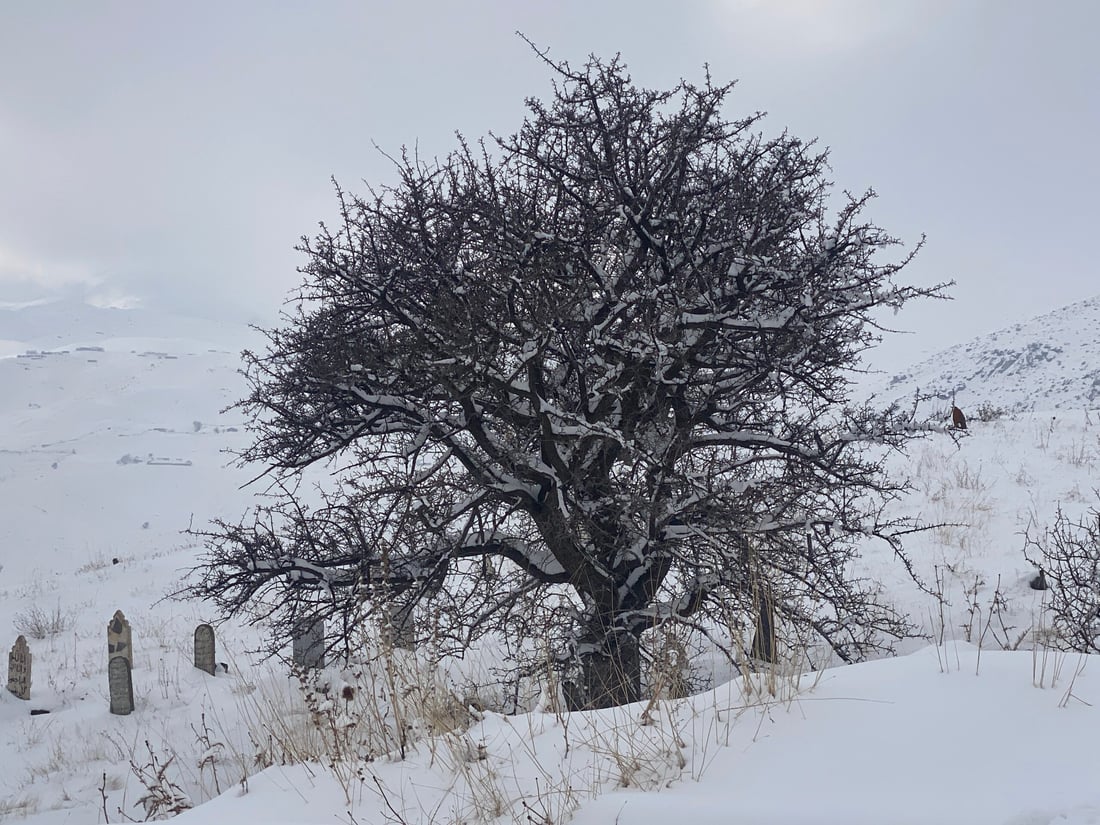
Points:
x=405 y=625
x=204 y=648
x=309 y=644
x=19 y=669
x=763 y=640
x=398 y=618
x=671 y=670
x=958 y=420
x=120 y=639
x=121 y=685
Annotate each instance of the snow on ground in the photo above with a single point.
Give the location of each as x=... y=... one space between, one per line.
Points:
x=109 y=450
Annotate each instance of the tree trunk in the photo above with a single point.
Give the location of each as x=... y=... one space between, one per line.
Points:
x=611 y=673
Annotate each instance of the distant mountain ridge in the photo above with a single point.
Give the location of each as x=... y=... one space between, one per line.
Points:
x=1050 y=362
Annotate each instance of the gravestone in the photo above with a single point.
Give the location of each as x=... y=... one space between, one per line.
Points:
x=398 y=619
x=309 y=644
x=204 y=648
x=399 y=627
x=120 y=639
x=121 y=685
x=19 y=669
x=763 y=640
x=671 y=670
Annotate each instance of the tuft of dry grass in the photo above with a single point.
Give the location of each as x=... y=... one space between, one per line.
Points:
x=42 y=624
x=17 y=807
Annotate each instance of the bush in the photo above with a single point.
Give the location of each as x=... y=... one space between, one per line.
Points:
x=41 y=624
x=989 y=412
x=1068 y=557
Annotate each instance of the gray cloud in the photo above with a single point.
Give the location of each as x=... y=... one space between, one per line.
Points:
x=177 y=151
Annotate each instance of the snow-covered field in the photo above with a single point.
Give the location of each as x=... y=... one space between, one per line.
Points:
x=110 y=449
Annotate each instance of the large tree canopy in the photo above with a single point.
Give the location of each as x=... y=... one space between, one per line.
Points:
x=578 y=383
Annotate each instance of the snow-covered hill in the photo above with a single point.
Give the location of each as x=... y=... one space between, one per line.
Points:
x=68 y=324
x=112 y=442
x=1051 y=362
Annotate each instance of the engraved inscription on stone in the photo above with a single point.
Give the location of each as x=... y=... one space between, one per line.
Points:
x=309 y=645
x=204 y=648
x=119 y=638
x=121 y=685
x=19 y=669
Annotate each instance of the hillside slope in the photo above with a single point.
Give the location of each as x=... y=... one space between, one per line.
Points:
x=108 y=453
x=1051 y=362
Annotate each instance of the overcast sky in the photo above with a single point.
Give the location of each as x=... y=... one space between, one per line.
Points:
x=174 y=152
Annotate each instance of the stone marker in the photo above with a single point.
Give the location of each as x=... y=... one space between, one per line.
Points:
x=398 y=620
x=19 y=669
x=399 y=626
x=204 y=648
x=309 y=644
x=671 y=670
x=121 y=684
x=120 y=639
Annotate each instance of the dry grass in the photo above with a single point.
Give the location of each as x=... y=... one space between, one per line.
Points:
x=17 y=807
x=43 y=624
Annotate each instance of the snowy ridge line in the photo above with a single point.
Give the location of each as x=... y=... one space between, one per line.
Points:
x=1050 y=362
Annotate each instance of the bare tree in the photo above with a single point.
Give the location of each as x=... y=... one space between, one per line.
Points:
x=580 y=382
x=1068 y=558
